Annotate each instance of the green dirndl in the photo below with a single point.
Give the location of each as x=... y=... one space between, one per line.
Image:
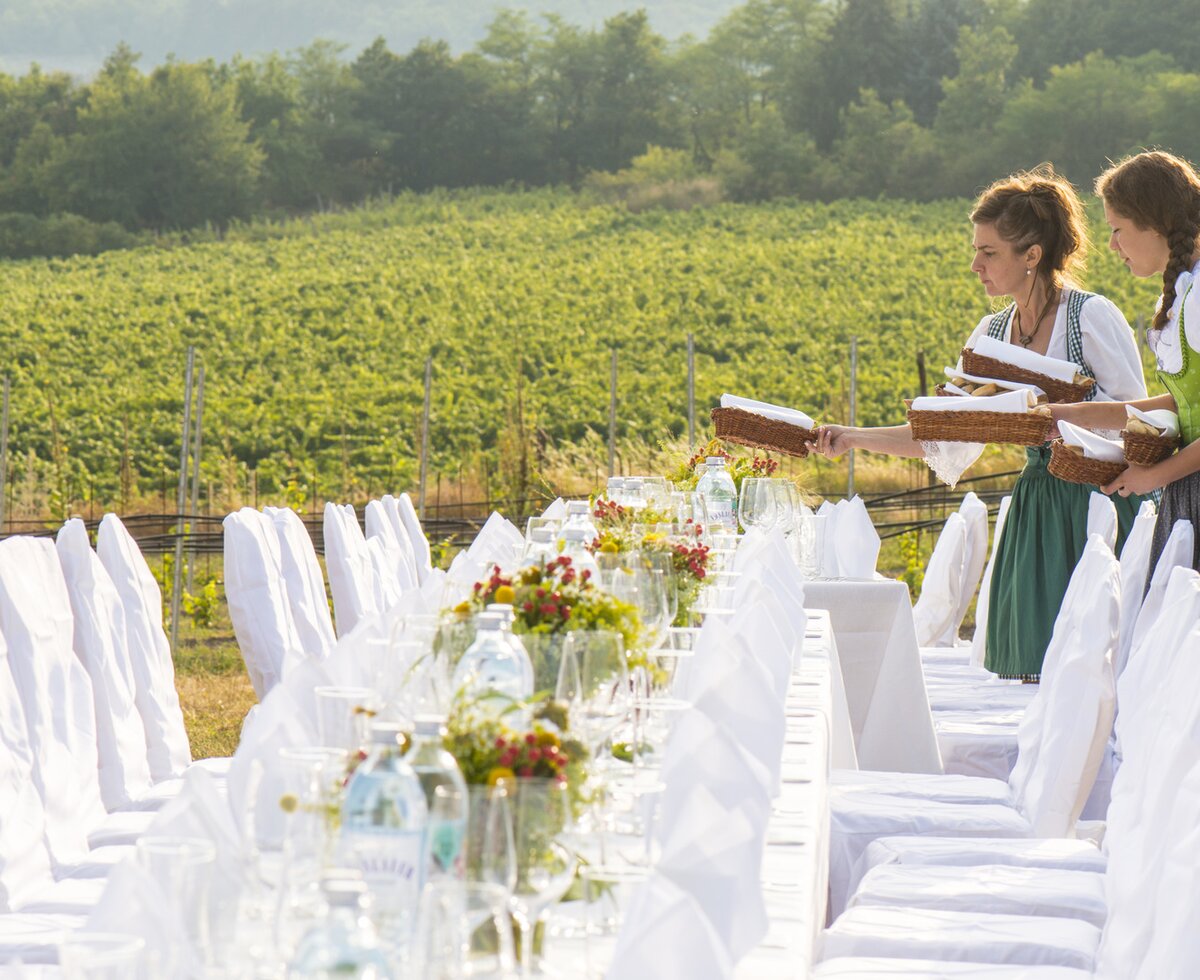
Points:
x=1044 y=536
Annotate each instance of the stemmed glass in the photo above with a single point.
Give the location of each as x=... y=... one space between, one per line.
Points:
x=593 y=682
x=757 y=503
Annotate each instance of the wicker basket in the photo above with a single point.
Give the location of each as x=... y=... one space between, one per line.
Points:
x=1056 y=391
x=968 y=426
x=759 y=432
x=1074 y=468
x=1148 y=450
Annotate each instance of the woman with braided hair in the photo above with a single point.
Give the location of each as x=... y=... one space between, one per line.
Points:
x=1029 y=239
x=1152 y=205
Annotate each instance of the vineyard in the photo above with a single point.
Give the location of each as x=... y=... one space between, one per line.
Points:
x=314 y=337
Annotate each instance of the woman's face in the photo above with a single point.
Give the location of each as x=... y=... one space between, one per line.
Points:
x=1000 y=268
x=1143 y=250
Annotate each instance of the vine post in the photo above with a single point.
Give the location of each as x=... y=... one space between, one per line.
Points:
x=181 y=499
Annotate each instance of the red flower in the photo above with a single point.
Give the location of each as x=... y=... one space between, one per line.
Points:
x=566 y=612
x=531 y=739
x=525 y=772
x=535 y=754
x=548 y=609
x=528 y=606
x=585 y=575
x=500 y=743
x=540 y=593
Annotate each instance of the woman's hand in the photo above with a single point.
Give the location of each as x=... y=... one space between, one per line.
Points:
x=833 y=440
x=1136 y=479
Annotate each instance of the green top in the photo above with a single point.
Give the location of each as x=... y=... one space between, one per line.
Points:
x=1184 y=385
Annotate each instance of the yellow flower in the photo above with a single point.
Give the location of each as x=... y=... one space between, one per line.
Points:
x=463 y=609
x=652 y=537
x=289 y=803
x=609 y=547
x=506 y=595
x=500 y=774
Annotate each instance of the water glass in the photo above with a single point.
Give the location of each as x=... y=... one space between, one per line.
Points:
x=102 y=956
x=607 y=893
x=183 y=867
x=812 y=545
x=464 y=930
x=344 y=715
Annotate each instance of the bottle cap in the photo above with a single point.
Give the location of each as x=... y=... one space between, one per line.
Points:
x=386 y=733
x=578 y=507
x=542 y=535
x=431 y=726
x=489 y=621
x=344 y=888
x=715 y=460
x=574 y=534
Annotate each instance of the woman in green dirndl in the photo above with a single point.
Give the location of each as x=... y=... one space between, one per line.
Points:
x=1152 y=205
x=1029 y=237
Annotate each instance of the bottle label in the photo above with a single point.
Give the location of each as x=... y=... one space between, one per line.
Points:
x=390 y=861
x=446 y=849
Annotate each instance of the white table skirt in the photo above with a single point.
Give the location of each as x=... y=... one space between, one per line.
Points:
x=876 y=646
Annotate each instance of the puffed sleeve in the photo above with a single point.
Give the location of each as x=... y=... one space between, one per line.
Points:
x=1111 y=351
x=979 y=331
x=1191 y=317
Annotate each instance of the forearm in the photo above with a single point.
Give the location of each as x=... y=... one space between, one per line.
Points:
x=1107 y=415
x=894 y=440
x=1183 y=463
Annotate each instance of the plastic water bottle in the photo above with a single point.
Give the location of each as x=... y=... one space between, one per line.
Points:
x=514 y=641
x=540 y=548
x=575 y=546
x=579 y=515
x=720 y=495
x=445 y=798
x=491 y=674
x=383 y=833
x=344 y=944
x=615 y=489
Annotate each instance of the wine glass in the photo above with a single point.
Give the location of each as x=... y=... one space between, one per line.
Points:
x=593 y=682
x=757 y=505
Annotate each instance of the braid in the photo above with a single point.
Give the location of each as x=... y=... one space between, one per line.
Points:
x=1182 y=243
x=1159 y=191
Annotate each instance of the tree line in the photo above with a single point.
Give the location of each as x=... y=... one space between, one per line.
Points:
x=917 y=99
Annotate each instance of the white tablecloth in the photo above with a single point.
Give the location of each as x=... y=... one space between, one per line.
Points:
x=876 y=647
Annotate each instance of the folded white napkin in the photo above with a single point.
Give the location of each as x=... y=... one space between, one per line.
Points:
x=998 y=382
x=755 y=621
x=829 y=560
x=1094 y=446
x=715 y=855
x=1162 y=418
x=665 y=934
x=767 y=410
x=704 y=752
x=136 y=904
x=855 y=538
x=1052 y=367
x=743 y=697
x=557 y=510
x=1015 y=402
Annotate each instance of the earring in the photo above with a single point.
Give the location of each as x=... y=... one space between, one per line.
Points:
x=1028 y=272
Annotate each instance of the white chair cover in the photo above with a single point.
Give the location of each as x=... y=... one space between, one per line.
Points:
x=391 y=508
x=100 y=645
x=979 y=640
x=348 y=564
x=400 y=564
x=1135 y=569
x=24 y=861
x=1176 y=552
x=257 y=597
x=384 y=561
x=987 y=888
x=975 y=520
x=1055 y=853
x=149 y=652
x=416 y=536
x=56 y=695
x=973 y=937
x=882 y=968
x=304 y=583
x=937 y=606
x=1102 y=519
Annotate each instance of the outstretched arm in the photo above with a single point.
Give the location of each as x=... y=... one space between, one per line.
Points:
x=892 y=440
x=1106 y=415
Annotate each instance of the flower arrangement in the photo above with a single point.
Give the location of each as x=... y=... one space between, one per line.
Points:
x=488 y=750
x=554 y=598
x=685 y=477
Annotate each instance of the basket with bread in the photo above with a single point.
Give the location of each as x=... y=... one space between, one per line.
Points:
x=761 y=425
x=1149 y=437
x=1011 y=416
x=1061 y=381
x=1081 y=456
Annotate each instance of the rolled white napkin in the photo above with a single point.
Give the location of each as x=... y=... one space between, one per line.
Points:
x=665 y=934
x=1162 y=418
x=767 y=410
x=1094 y=446
x=855 y=538
x=956 y=390
x=715 y=854
x=998 y=382
x=1011 y=403
x=1052 y=367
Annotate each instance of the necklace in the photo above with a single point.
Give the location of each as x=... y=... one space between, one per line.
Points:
x=1026 y=339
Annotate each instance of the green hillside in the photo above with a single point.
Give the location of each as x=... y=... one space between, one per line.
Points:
x=314 y=335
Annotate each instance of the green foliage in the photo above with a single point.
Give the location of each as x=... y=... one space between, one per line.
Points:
x=204 y=606
x=314 y=337
x=914 y=567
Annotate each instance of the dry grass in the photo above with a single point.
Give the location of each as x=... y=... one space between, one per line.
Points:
x=214 y=689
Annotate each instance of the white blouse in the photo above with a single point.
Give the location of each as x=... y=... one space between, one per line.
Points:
x=1165 y=342
x=1108 y=347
